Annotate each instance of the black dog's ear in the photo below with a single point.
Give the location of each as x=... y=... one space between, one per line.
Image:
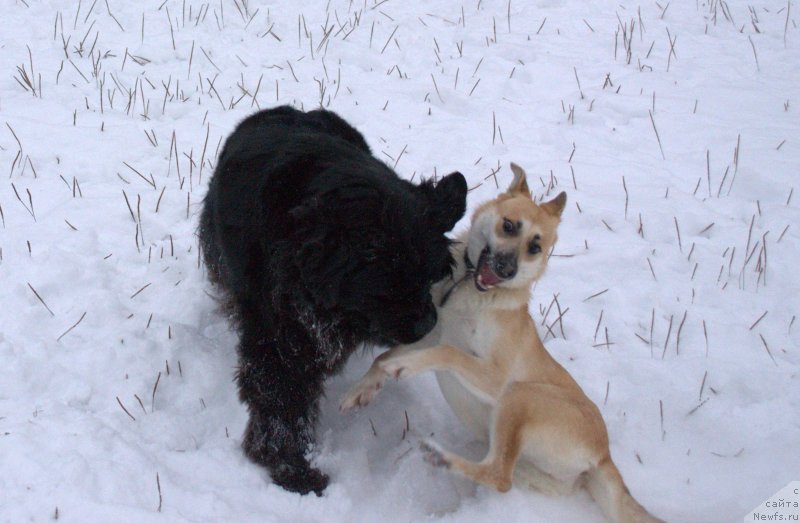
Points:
x=449 y=201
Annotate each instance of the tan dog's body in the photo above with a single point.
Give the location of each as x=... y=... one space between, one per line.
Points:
x=494 y=371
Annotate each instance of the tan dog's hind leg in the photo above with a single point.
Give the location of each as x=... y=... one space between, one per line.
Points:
x=540 y=425
x=565 y=438
x=505 y=445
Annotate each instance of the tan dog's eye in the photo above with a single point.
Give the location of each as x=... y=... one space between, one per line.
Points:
x=533 y=246
x=510 y=227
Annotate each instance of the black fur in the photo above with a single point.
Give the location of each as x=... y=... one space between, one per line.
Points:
x=319 y=247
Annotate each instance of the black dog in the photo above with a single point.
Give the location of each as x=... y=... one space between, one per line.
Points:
x=319 y=247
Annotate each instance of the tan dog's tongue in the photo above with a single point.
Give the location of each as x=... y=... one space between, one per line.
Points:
x=486 y=276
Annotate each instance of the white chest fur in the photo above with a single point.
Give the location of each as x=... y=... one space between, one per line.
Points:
x=461 y=325
x=466 y=331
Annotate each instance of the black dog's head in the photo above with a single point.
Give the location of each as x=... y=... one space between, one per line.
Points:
x=371 y=252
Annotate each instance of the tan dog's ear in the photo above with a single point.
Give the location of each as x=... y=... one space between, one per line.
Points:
x=555 y=206
x=519 y=185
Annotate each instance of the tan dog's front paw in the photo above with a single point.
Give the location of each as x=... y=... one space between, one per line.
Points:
x=360 y=394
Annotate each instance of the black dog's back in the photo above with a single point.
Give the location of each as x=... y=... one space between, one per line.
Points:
x=266 y=137
x=319 y=247
x=276 y=142
x=251 y=135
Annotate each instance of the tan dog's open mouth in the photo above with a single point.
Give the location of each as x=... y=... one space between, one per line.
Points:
x=485 y=277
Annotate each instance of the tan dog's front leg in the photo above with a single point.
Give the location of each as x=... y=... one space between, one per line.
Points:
x=479 y=374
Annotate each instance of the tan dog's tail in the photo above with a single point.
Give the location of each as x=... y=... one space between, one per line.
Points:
x=604 y=483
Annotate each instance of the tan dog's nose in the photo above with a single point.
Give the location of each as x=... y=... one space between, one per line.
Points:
x=504 y=264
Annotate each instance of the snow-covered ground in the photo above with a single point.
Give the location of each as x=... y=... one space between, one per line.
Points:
x=673 y=127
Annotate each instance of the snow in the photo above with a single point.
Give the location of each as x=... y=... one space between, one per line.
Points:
x=675 y=272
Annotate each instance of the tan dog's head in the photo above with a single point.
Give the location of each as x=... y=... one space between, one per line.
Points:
x=511 y=236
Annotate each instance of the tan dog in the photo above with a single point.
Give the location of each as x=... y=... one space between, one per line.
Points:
x=496 y=374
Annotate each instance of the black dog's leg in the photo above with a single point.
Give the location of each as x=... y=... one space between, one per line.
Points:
x=282 y=401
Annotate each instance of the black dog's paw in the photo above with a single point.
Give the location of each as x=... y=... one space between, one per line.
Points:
x=287 y=465
x=301 y=480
